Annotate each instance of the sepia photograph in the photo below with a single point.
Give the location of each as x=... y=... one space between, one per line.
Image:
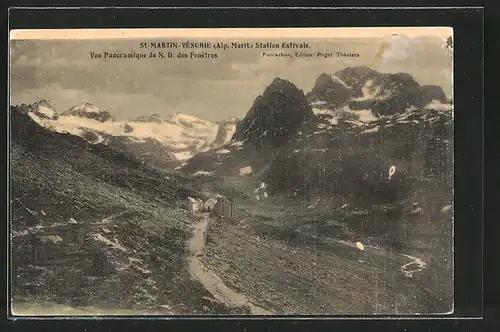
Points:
x=260 y=172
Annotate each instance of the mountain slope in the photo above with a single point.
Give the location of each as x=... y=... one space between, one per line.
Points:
x=343 y=156
x=275 y=116
x=339 y=150
x=303 y=201
x=330 y=89
x=92 y=227
x=352 y=158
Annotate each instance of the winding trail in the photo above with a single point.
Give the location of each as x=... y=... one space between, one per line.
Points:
x=211 y=281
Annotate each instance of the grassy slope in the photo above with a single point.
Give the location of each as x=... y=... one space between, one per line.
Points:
x=281 y=255
x=67 y=199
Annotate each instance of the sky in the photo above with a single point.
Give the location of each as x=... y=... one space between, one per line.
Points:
x=63 y=72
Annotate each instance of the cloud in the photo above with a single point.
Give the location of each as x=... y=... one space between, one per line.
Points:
x=423 y=51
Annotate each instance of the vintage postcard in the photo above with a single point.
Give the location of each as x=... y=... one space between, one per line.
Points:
x=231 y=171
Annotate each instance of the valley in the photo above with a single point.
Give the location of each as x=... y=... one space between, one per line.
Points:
x=99 y=220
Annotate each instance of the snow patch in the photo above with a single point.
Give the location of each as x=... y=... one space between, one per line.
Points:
x=203 y=173
x=113 y=244
x=437 y=105
x=371 y=93
x=338 y=80
x=366 y=91
x=223 y=151
x=237 y=143
x=404 y=115
x=372 y=130
x=180 y=166
x=183 y=155
x=332 y=115
x=245 y=170
x=85 y=107
x=363 y=116
x=46 y=111
x=415 y=265
x=230 y=129
x=35 y=118
x=366 y=116
x=318 y=103
x=50 y=238
x=446 y=208
x=318 y=111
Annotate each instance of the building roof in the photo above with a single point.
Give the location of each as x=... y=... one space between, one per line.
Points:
x=223 y=198
x=211 y=200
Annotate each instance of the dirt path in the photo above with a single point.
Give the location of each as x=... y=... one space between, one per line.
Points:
x=209 y=279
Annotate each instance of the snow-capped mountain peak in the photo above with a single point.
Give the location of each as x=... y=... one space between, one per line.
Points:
x=42 y=109
x=179 y=135
x=361 y=88
x=88 y=110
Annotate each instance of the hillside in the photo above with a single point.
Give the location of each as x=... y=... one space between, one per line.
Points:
x=310 y=178
x=93 y=228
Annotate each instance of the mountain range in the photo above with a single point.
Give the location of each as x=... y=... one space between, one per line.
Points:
x=364 y=88
x=341 y=138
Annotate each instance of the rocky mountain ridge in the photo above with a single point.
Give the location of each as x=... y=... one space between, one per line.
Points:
x=172 y=139
x=345 y=143
x=362 y=88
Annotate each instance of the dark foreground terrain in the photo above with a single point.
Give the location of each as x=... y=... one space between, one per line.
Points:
x=95 y=232
x=294 y=261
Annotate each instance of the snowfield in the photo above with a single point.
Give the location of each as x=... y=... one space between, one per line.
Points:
x=85 y=107
x=48 y=111
x=186 y=135
x=370 y=93
x=362 y=116
x=439 y=106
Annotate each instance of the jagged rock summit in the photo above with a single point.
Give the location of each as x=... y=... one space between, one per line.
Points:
x=275 y=116
x=88 y=110
x=330 y=89
x=42 y=109
x=362 y=88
